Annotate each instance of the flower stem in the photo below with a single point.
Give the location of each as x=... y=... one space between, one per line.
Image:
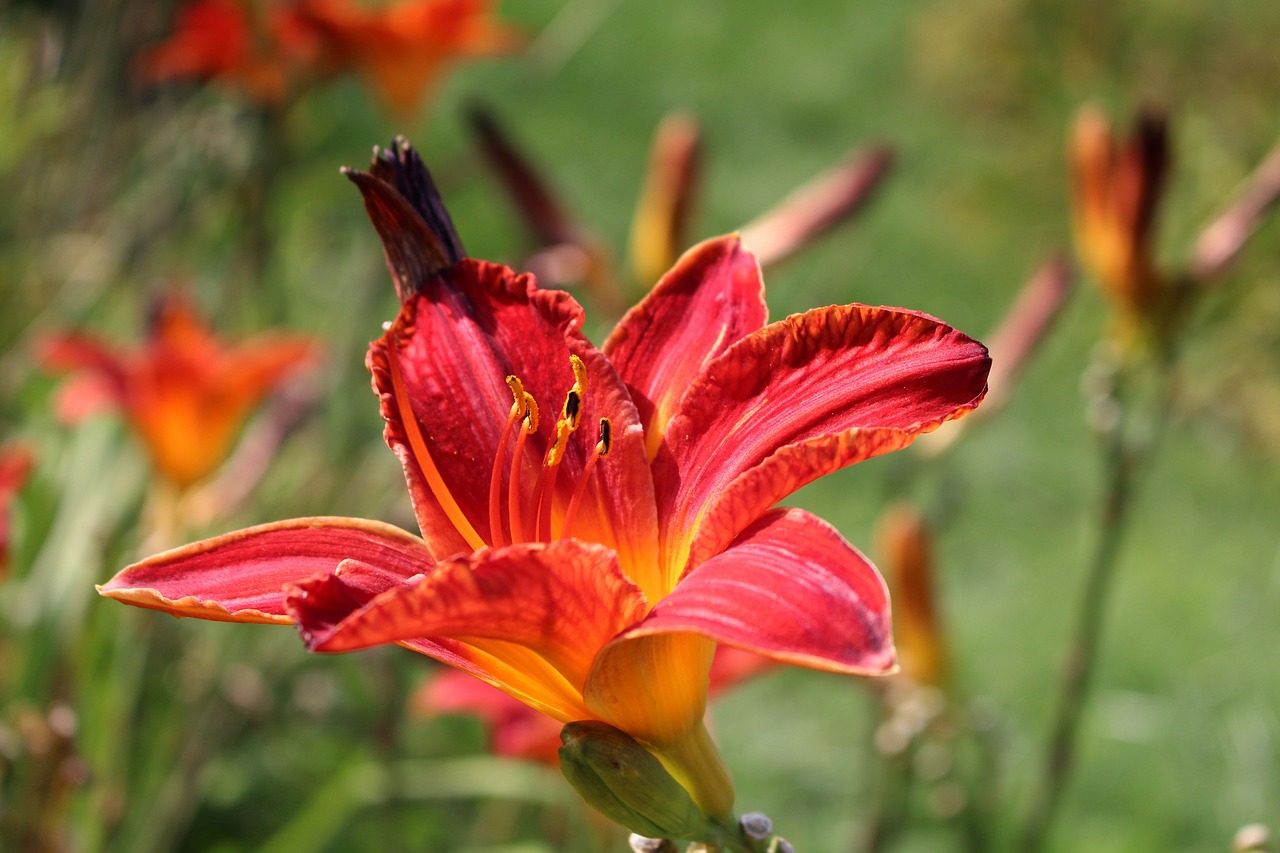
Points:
x=1123 y=458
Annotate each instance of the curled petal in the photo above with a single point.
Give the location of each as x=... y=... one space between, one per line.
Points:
x=790 y=588
x=797 y=400
x=710 y=300
x=562 y=600
x=240 y=577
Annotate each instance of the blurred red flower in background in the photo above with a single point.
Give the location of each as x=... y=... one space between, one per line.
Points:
x=185 y=393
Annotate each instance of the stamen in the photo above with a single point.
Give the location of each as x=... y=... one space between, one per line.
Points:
x=546 y=491
x=573 y=400
x=423 y=456
x=602 y=449
x=495 y=479
x=517 y=460
x=572 y=415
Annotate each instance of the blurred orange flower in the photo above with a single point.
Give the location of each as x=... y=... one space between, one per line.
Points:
x=264 y=49
x=403 y=48
x=15 y=466
x=254 y=51
x=1117 y=182
x=185 y=392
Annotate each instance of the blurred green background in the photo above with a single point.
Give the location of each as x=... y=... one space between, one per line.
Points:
x=194 y=736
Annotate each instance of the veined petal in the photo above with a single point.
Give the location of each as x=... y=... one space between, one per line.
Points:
x=652 y=687
x=563 y=601
x=710 y=300
x=797 y=400
x=240 y=577
x=453 y=347
x=790 y=588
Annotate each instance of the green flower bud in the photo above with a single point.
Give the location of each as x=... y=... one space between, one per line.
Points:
x=623 y=781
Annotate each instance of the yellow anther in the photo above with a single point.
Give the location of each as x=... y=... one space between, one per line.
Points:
x=572 y=412
x=556 y=453
x=579 y=375
x=517 y=392
x=530 y=414
x=606 y=437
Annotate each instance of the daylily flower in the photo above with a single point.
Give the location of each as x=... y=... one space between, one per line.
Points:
x=594 y=521
x=15 y=466
x=402 y=48
x=185 y=393
x=516 y=730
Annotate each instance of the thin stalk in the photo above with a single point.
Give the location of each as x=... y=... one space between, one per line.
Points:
x=1124 y=458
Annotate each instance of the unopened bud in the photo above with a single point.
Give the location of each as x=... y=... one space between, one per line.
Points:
x=781 y=845
x=756 y=825
x=624 y=781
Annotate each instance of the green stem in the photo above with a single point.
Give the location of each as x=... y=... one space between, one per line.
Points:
x=1122 y=459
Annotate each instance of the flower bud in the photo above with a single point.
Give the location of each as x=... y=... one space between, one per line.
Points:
x=623 y=781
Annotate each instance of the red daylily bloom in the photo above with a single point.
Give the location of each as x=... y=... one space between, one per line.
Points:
x=15 y=466
x=586 y=558
x=518 y=731
x=184 y=392
x=402 y=48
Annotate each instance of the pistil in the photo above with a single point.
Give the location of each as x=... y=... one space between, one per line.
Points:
x=601 y=449
x=423 y=456
x=518 y=409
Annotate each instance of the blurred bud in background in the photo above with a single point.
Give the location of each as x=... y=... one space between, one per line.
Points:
x=1116 y=185
x=906 y=549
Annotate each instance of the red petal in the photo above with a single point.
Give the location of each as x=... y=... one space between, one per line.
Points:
x=800 y=399
x=240 y=577
x=562 y=600
x=454 y=345
x=791 y=588
x=711 y=299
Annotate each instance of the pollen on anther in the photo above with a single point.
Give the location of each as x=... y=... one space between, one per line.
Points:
x=518 y=395
x=530 y=413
